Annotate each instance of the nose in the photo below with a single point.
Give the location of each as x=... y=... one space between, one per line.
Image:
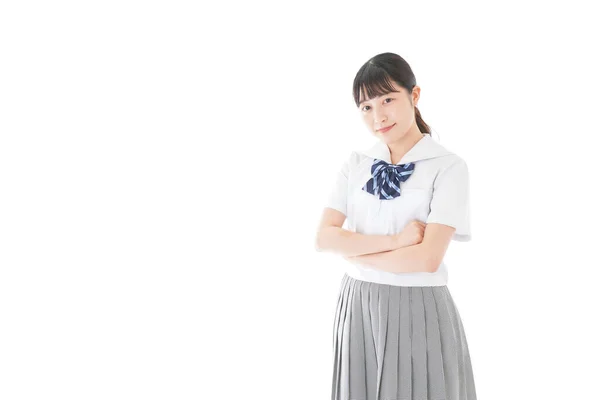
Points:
x=379 y=116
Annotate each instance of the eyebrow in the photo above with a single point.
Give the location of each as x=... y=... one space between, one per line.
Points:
x=385 y=94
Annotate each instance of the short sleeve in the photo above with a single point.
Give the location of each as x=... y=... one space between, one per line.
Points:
x=338 y=194
x=450 y=204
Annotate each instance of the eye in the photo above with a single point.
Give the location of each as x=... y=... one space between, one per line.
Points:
x=388 y=98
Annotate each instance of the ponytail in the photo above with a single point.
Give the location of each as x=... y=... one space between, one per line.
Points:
x=423 y=127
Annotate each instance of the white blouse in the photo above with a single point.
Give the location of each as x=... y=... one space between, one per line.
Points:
x=436 y=192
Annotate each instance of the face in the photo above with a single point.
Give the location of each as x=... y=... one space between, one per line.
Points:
x=394 y=109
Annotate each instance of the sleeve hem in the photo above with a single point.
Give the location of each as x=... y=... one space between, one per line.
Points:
x=340 y=209
x=458 y=236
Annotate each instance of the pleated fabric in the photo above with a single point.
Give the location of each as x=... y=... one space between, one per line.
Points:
x=399 y=343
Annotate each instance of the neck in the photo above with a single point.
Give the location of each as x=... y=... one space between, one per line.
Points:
x=401 y=146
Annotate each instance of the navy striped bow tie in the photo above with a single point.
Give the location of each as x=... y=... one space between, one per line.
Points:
x=385 y=179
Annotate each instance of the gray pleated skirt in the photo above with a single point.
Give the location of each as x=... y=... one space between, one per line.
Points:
x=399 y=343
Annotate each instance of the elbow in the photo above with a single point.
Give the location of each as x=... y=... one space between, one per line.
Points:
x=431 y=261
x=326 y=238
x=321 y=240
x=318 y=242
x=432 y=264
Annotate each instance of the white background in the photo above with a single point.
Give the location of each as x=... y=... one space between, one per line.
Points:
x=163 y=167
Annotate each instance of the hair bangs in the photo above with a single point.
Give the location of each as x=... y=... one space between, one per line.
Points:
x=373 y=82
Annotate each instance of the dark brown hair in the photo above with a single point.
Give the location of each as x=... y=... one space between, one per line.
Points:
x=374 y=78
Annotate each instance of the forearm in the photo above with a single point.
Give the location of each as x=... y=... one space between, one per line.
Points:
x=405 y=259
x=348 y=243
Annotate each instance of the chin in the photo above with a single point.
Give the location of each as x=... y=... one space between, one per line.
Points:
x=387 y=139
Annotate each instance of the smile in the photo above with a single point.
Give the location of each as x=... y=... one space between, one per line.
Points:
x=386 y=129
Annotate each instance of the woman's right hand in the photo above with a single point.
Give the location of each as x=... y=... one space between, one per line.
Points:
x=411 y=234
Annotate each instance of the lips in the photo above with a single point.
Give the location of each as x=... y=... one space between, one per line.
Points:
x=382 y=130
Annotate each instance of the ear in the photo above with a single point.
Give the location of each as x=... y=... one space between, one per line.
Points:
x=416 y=94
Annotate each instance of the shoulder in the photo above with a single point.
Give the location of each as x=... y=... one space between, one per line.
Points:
x=354 y=158
x=443 y=156
x=453 y=170
x=449 y=161
x=455 y=160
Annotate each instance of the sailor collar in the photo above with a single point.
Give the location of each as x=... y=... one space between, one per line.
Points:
x=424 y=149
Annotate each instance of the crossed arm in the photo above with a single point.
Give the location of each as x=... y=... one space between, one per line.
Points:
x=422 y=257
x=383 y=253
x=413 y=258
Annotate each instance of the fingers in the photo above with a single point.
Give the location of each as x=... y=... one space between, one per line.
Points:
x=418 y=224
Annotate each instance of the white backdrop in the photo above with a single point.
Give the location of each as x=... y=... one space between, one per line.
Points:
x=163 y=168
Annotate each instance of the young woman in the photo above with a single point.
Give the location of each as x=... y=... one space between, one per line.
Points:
x=397 y=334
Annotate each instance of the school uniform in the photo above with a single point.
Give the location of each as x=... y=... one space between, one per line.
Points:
x=399 y=336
